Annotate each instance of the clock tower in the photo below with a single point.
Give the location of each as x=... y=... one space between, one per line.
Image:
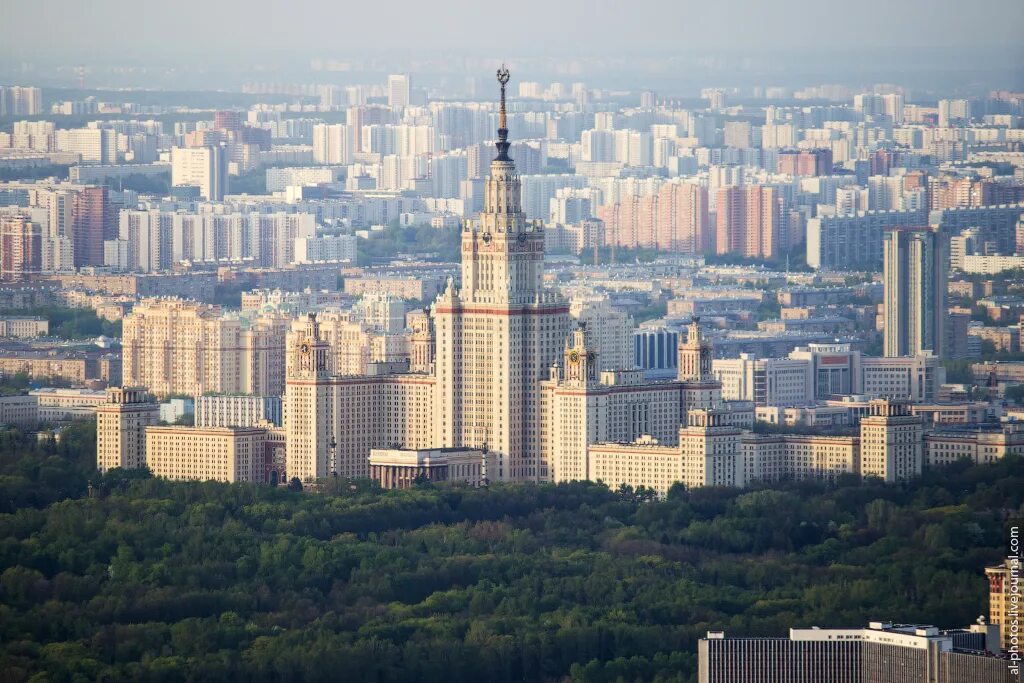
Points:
x=309 y=405
x=311 y=351
x=580 y=361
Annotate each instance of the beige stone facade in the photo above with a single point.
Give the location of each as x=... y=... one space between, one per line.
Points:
x=174 y=346
x=228 y=454
x=120 y=428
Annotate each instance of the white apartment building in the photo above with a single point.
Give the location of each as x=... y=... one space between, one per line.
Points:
x=326 y=249
x=399 y=90
x=766 y=381
x=151 y=241
x=280 y=178
x=237 y=410
x=94 y=145
x=332 y=144
x=916 y=378
x=203 y=167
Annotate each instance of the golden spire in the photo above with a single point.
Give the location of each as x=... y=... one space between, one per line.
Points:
x=502 y=143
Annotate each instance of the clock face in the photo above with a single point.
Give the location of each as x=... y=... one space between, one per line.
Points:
x=305 y=348
x=487 y=238
x=574 y=357
x=522 y=237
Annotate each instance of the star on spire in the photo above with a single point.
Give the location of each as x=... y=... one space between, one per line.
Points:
x=502 y=143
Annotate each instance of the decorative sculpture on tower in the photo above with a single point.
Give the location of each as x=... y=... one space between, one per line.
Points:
x=502 y=143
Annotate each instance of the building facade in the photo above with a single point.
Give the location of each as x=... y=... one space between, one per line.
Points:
x=121 y=428
x=881 y=653
x=915 y=273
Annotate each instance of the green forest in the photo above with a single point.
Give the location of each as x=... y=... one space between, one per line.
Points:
x=129 y=577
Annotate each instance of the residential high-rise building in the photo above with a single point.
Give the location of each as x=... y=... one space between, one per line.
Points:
x=854 y=242
x=500 y=332
x=807 y=162
x=96 y=145
x=749 y=221
x=19 y=100
x=237 y=410
x=228 y=119
x=171 y=346
x=954 y=113
x=202 y=167
x=683 y=224
x=93 y=223
x=20 y=247
x=332 y=144
x=915 y=270
x=399 y=90
x=609 y=332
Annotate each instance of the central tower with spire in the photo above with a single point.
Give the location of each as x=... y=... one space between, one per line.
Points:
x=499 y=331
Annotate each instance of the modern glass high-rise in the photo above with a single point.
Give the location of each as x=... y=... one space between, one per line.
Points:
x=915 y=267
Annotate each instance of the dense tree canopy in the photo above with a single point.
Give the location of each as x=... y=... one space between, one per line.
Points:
x=152 y=580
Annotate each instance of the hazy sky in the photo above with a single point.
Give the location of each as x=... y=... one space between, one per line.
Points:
x=80 y=30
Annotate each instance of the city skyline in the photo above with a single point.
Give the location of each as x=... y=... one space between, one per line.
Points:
x=517 y=342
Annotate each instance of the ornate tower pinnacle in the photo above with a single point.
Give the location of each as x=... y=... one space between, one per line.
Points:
x=502 y=143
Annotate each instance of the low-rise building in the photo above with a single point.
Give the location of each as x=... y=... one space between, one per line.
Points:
x=18 y=411
x=956 y=413
x=882 y=653
x=400 y=468
x=65 y=405
x=70 y=366
x=228 y=454
x=917 y=378
x=24 y=326
x=979 y=445
x=421 y=289
x=777 y=457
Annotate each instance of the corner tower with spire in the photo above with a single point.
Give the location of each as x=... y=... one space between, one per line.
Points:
x=499 y=331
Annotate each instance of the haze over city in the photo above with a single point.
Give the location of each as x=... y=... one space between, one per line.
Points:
x=540 y=341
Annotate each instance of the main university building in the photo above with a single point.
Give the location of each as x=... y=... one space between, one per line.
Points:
x=501 y=385
x=505 y=373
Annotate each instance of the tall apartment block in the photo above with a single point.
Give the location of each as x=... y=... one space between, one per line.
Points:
x=915 y=266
